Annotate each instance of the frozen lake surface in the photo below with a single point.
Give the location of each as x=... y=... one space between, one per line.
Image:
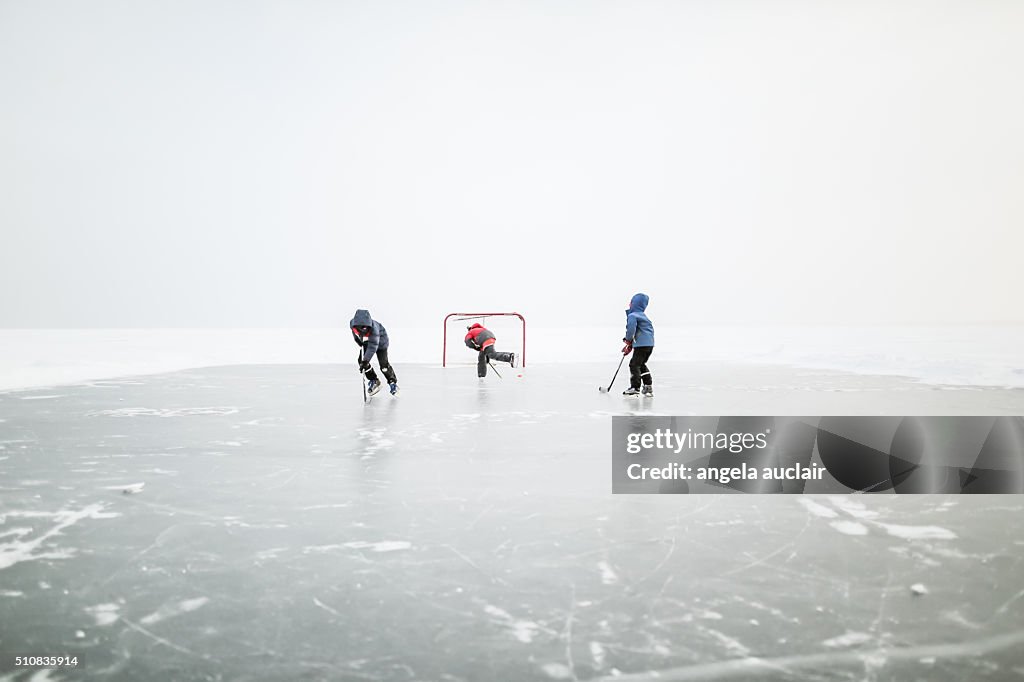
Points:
x=261 y=523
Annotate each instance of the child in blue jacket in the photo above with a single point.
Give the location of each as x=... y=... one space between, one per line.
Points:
x=639 y=340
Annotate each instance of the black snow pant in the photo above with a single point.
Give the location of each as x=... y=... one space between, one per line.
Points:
x=385 y=367
x=490 y=354
x=638 y=371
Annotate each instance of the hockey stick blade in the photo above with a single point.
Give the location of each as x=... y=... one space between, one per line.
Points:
x=602 y=389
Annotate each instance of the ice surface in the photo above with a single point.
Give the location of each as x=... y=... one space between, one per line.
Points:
x=466 y=531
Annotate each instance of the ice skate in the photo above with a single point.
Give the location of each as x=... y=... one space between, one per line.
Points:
x=648 y=392
x=393 y=387
x=631 y=392
x=373 y=387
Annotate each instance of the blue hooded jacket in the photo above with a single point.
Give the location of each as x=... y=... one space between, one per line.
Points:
x=377 y=339
x=639 y=329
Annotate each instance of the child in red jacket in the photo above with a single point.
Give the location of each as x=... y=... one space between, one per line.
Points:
x=481 y=339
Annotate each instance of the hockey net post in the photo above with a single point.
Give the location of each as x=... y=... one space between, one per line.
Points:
x=481 y=318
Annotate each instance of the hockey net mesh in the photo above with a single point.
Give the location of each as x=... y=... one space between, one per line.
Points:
x=508 y=328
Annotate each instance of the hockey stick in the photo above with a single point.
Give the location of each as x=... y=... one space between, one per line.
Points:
x=495 y=369
x=602 y=389
x=362 y=375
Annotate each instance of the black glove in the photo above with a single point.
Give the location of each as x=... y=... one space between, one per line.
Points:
x=364 y=365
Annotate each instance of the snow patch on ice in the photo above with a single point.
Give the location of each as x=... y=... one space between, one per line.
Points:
x=608 y=576
x=918 y=532
x=44 y=675
x=171 y=610
x=16 y=551
x=598 y=653
x=383 y=546
x=522 y=630
x=852 y=507
x=15 y=531
x=778 y=613
x=953 y=553
x=497 y=612
x=818 y=510
x=848 y=639
x=730 y=644
x=849 y=527
x=321 y=549
x=325 y=607
x=127 y=488
x=906 y=552
x=375 y=440
x=557 y=671
x=105 y=614
x=165 y=412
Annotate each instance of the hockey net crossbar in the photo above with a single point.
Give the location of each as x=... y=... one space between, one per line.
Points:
x=461 y=317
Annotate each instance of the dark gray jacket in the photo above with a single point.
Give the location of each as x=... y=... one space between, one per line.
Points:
x=376 y=339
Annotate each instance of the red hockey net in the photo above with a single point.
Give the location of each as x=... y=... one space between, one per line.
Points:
x=508 y=328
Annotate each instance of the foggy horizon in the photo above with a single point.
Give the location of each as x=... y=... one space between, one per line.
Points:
x=170 y=165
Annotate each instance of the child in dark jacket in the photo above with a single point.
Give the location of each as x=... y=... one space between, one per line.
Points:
x=372 y=338
x=639 y=340
x=481 y=339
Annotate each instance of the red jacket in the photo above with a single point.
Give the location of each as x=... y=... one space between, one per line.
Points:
x=479 y=337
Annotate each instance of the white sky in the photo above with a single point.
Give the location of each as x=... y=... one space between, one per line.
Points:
x=281 y=163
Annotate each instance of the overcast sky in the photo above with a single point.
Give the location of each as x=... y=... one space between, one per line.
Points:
x=252 y=163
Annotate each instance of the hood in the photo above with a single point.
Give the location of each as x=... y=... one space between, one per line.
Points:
x=638 y=303
x=362 y=318
x=475 y=326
